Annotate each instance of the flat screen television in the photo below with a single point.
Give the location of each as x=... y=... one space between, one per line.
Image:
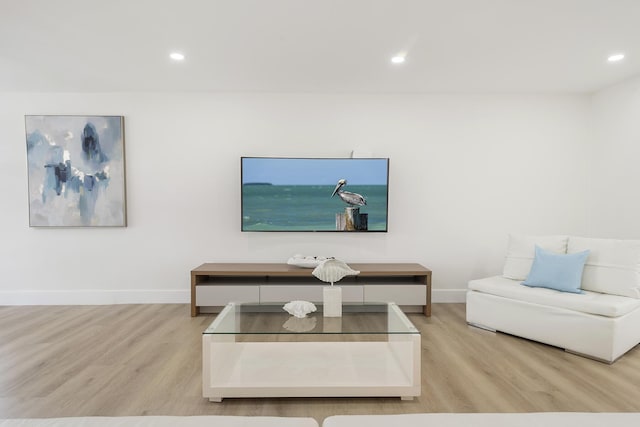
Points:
x=314 y=194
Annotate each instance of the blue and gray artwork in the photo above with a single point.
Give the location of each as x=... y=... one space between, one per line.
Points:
x=287 y=194
x=76 y=171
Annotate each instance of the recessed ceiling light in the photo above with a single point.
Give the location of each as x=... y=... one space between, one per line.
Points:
x=398 y=59
x=615 y=58
x=176 y=56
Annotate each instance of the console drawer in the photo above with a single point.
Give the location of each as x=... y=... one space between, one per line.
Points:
x=313 y=293
x=217 y=295
x=400 y=294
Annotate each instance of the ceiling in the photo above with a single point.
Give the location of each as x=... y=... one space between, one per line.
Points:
x=550 y=46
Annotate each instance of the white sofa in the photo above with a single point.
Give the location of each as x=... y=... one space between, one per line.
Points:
x=162 y=421
x=602 y=323
x=547 y=419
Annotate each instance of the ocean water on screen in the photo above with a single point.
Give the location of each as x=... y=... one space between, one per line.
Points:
x=306 y=207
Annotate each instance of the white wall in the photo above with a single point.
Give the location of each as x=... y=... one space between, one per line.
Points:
x=465 y=171
x=615 y=174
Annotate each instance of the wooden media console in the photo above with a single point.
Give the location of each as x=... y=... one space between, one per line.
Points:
x=214 y=285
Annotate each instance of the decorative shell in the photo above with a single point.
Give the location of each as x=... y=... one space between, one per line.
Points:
x=299 y=309
x=332 y=270
x=295 y=324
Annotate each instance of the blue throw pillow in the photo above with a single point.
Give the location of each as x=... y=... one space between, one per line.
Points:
x=562 y=272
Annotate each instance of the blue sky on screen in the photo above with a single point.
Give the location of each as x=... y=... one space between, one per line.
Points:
x=288 y=171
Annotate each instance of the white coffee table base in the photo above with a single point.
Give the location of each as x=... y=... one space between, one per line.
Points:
x=311 y=369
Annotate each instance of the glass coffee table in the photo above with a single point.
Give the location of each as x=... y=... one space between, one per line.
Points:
x=259 y=350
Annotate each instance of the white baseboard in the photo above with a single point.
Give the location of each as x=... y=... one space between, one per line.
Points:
x=449 y=295
x=97 y=297
x=153 y=296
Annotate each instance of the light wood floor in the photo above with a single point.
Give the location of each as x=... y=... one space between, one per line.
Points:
x=145 y=360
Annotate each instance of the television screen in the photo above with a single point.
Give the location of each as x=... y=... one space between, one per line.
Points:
x=300 y=194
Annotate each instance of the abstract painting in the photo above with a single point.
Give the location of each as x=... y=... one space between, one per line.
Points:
x=76 y=171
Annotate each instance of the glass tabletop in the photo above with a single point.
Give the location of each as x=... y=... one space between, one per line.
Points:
x=366 y=318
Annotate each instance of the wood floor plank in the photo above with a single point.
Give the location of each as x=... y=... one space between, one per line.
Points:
x=118 y=360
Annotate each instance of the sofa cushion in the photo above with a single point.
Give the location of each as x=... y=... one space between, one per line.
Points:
x=613 y=267
x=521 y=252
x=587 y=302
x=562 y=272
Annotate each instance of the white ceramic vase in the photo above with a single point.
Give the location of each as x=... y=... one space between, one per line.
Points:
x=332 y=301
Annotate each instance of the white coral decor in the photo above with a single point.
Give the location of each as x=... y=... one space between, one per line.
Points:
x=332 y=270
x=299 y=309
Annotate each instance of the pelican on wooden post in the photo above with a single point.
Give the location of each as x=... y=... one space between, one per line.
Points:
x=352 y=199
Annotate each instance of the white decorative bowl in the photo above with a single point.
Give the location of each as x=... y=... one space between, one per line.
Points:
x=307 y=261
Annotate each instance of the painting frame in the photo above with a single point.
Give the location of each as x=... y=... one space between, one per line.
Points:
x=76 y=171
